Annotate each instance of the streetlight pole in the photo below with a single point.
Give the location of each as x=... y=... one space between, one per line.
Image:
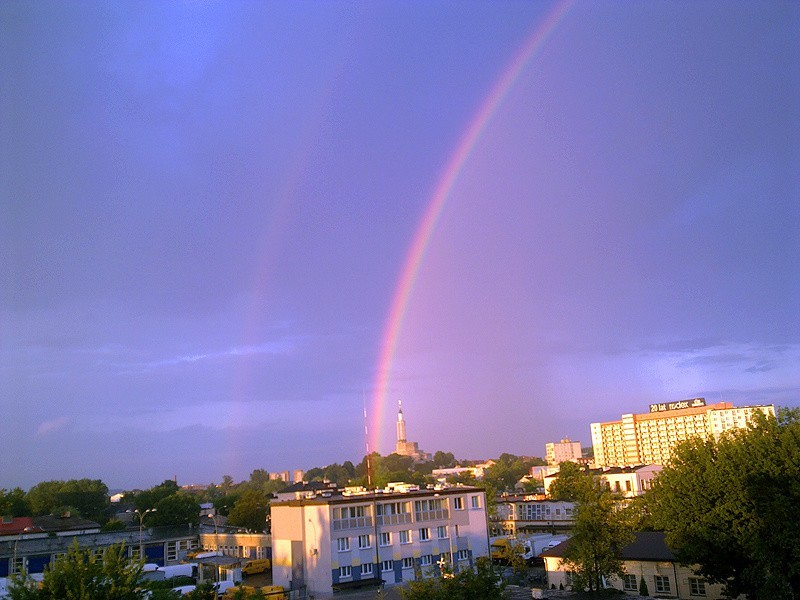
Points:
x=141 y=516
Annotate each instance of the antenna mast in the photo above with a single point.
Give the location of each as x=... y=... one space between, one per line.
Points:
x=366 y=440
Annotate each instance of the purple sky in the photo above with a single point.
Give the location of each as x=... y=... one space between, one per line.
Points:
x=205 y=208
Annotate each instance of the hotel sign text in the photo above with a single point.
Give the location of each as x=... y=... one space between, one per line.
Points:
x=694 y=403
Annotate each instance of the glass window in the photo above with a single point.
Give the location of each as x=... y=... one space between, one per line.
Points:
x=343 y=544
x=405 y=536
x=458 y=503
x=386 y=538
x=662 y=584
x=345 y=572
x=366 y=569
x=441 y=531
x=476 y=501
x=408 y=562
x=697 y=587
x=387 y=565
x=426 y=560
x=463 y=555
x=629 y=583
x=364 y=541
x=424 y=534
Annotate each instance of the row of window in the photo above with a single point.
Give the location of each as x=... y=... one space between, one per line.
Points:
x=426 y=560
x=697 y=586
x=398 y=508
x=385 y=538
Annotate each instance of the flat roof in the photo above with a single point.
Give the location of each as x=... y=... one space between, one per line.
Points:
x=339 y=498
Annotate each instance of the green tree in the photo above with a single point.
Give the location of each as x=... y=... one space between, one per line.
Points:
x=571 y=483
x=79 y=575
x=600 y=531
x=13 y=503
x=250 y=510
x=730 y=507
x=148 y=499
x=88 y=497
x=469 y=584
x=180 y=508
x=204 y=591
x=643 y=591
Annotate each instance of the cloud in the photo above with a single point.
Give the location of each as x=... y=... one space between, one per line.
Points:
x=267 y=348
x=46 y=427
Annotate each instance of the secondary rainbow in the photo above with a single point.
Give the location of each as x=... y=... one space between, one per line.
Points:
x=425 y=229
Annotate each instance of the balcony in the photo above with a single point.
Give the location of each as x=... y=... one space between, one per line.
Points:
x=398 y=519
x=432 y=515
x=352 y=523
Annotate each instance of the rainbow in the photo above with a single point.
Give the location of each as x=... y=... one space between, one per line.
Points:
x=425 y=229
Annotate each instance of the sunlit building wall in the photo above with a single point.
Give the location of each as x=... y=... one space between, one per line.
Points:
x=649 y=438
x=565 y=450
x=336 y=541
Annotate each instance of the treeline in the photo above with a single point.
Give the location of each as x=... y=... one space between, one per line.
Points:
x=246 y=503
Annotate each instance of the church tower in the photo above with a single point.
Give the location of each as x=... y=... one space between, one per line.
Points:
x=401 y=424
x=403 y=446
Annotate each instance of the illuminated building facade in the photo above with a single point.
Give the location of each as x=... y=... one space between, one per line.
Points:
x=649 y=438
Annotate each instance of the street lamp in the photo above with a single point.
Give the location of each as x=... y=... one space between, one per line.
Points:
x=14 y=561
x=213 y=517
x=141 y=516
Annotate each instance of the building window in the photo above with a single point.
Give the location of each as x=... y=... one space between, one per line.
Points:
x=366 y=569
x=364 y=541
x=17 y=564
x=629 y=583
x=697 y=587
x=405 y=536
x=463 y=555
x=408 y=562
x=455 y=530
x=386 y=538
x=458 y=503
x=424 y=534
x=345 y=572
x=387 y=565
x=426 y=560
x=172 y=551
x=441 y=532
x=662 y=585
x=343 y=544
x=476 y=501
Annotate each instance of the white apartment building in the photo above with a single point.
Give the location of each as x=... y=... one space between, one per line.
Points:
x=526 y=514
x=649 y=438
x=563 y=451
x=630 y=481
x=339 y=540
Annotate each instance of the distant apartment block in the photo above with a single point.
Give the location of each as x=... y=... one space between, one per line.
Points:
x=339 y=539
x=476 y=471
x=649 y=438
x=563 y=451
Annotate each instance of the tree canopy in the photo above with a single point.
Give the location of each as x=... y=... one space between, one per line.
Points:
x=601 y=529
x=481 y=582
x=730 y=507
x=80 y=575
x=250 y=510
x=89 y=497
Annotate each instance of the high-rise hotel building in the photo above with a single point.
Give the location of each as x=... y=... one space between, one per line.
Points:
x=648 y=438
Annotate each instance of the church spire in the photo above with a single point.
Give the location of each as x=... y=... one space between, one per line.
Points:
x=401 y=424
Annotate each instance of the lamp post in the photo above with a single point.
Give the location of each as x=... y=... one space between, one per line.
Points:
x=213 y=517
x=14 y=561
x=141 y=516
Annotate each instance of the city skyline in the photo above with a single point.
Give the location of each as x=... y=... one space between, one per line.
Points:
x=229 y=228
